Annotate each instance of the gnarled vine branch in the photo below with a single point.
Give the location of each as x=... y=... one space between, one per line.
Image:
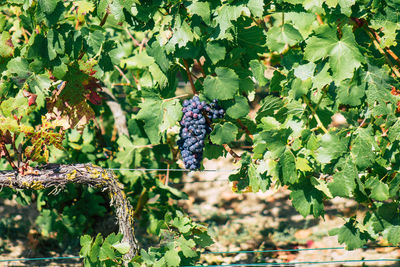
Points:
x=58 y=176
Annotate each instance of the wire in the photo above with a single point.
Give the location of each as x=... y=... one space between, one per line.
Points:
x=295 y=263
x=40 y=259
x=173 y=170
x=205 y=181
x=270 y=250
x=286 y=250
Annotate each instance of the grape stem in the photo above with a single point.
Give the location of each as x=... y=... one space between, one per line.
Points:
x=245 y=129
x=230 y=151
x=189 y=76
x=175 y=97
x=314 y=113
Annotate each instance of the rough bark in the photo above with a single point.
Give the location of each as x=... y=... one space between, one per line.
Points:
x=57 y=176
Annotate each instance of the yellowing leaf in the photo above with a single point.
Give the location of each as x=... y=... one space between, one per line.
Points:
x=302 y=165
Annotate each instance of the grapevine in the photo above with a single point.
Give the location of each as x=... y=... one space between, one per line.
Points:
x=101 y=82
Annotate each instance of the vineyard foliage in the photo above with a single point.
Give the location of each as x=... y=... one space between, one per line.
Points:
x=281 y=70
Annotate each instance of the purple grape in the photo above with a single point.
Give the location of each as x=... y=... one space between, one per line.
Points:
x=195 y=128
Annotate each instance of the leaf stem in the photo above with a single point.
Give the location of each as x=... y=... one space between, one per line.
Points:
x=175 y=97
x=314 y=113
x=244 y=127
x=377 y=45
x=230 y=151
x=122 y=74
x=103 y=21
x=319 y=19
x=189 y=76
x=135 y=42
x=201 y=68
x=143 y=198
x=8 y=157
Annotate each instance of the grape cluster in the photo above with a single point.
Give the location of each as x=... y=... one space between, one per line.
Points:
x=195 y=128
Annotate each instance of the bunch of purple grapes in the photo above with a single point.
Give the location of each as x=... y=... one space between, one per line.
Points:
x=195 y=128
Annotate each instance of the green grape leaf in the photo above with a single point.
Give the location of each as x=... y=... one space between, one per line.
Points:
x=394 y=131
x=304 y=22
x=306 y=199
x=344 y=181
x=258 y=70
x=203 y=239
x=139 y=61
x=288 y=167
x=172 y=258
x=95 y=41
x=363 y=148
x=344 y=55
x=239 y=109
x=6 y=45
x=305 y=71
x=379 y=190
x=216 y=52
x=268 y=107
x=55 y=44
x=182 y=223
x=224 y=133
x=322 y=186
x=279 y=37
x=378 y=93
x=158 y=116
x=86 y=243
x=331 y=148
x=122 y=247
x=95 y=249
x=20 y=67
x=187 y=247
x=256 y=7
x=350 y=235
x=48 y=6
x=322 y=78
x=201 y=9
x=212 y=151
x=350 y=93
x=84 y=7
x=273 y=140
x=226 y=79
x=389 y=30
x=182 y=34
x=226 y=15
x=392 y=234
x=302 y=164
x=106 y=252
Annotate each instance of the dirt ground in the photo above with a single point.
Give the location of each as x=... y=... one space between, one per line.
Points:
x=237 y=222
